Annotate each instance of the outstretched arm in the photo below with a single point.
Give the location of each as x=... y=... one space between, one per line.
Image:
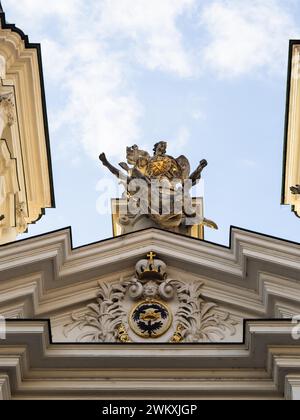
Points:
x=111 y=168
x=196 y=175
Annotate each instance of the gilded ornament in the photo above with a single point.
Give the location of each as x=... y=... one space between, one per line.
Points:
x=150 y=319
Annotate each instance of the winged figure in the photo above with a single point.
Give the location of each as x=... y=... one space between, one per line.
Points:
x=159 y=166
x=172 y=172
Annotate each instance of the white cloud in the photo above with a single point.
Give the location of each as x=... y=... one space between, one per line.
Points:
x=102 y=114
x=88 y=50
x=246 y=36
x=180 y=141
x=35 y=11
x=151 y=25
x=199 y=114
x=248 y=163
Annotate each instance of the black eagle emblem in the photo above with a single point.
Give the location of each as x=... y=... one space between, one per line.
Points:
x=148 y=318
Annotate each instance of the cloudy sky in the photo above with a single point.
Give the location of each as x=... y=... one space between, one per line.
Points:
x=209 y=76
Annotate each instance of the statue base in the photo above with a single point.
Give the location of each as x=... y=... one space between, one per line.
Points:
x=124 y=223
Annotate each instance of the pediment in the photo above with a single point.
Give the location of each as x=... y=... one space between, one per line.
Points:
x=254 y=278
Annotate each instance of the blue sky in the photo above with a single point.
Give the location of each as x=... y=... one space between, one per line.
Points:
x=207 y=76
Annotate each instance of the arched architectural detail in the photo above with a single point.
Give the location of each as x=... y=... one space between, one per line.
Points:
x=26 y=175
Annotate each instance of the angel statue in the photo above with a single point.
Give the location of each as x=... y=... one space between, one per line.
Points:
x=171 y=176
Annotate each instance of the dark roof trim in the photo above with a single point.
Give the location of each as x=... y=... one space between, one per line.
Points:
x=47 y=322
x=69 y=229
x=37 y=47
x=287 y=115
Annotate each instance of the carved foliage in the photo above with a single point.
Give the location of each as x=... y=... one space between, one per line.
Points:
x=198 y=320
x=102 y=319
x=195 y=319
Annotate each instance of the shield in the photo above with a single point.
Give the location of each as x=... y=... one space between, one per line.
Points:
x=150 y=319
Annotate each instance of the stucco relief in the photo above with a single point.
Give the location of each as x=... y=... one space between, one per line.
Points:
x=9 y=188
x=7 y=110
x=151 y=307
x=12 y=211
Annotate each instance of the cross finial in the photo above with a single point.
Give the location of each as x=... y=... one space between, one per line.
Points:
x=151 y=257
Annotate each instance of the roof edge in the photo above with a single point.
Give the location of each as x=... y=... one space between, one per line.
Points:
x=68 y=230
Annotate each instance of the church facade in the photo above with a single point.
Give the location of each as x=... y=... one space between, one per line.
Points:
x=155 y=312
x=71 y=330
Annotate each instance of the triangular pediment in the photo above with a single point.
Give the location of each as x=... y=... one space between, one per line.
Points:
x=254 y=278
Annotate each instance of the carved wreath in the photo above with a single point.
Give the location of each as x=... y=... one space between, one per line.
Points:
x=196 y=319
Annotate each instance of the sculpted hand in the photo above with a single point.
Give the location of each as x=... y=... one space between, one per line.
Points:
x=102 y=157
x=203 y=163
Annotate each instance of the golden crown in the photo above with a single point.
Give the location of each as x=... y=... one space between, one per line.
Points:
x=151 y=268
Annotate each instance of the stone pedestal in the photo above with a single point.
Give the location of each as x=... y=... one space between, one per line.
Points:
x=124 y=223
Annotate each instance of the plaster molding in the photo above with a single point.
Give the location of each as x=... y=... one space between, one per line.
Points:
x=292 y=140
x=110 y=371
x=5 y=393
x=292 y=388
x=246 y=246
x=2 y=68
x=108 y=318
x=23 y=125
x=7 y=109
x=48 y=290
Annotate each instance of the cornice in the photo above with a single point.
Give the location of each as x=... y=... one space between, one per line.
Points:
x=106 y=370
x=43 y=275
x=292 y=382
x=5 y=393
x=121 y=251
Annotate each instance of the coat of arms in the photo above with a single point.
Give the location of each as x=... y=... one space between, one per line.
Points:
x=150 y=307
x=150 y=319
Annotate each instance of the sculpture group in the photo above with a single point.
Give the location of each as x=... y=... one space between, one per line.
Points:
x=160 y=183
